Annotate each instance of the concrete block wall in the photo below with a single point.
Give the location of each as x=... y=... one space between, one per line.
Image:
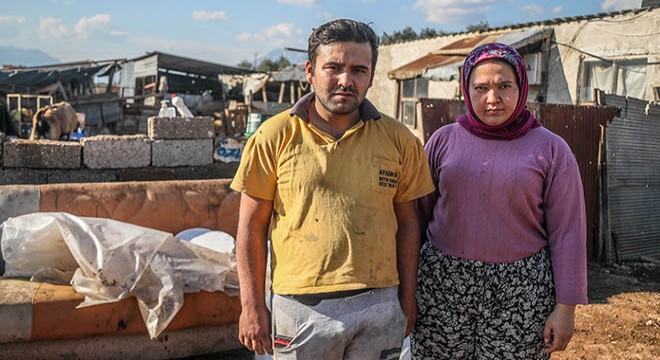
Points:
x=45 y=154
x=174 y=149
x=180 y=128
x=182 y=152
x=181 y=141
x=116 y=152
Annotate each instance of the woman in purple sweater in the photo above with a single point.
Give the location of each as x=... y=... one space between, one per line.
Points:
x=504 y=263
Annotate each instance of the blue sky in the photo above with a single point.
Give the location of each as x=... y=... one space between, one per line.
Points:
x=229 y=31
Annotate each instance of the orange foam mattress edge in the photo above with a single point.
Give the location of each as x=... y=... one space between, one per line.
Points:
x=54 y=314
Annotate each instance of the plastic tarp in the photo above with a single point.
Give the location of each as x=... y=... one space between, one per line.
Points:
x=444 y=73
x=107 y=260
x=253 y=83
x=294 y=72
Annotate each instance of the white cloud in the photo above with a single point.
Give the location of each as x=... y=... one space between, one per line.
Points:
x=202 y=15
x=88 y=26
x=453 y=12
x=326 y=15
x=277 y=35
x=533 y=10
x=116 y=33
x=556 y=10
x=244 y=37
x=50 y=27
x=11 y=19
x=286 y=29
x=614 y=5
x=305 y=3
x=229 y=54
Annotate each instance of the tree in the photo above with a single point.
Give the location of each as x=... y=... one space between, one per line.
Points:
x=428 y=33
x=245 y=64
x=408 y=34
x=282 y=62
x=481 y=26
x=268 y=65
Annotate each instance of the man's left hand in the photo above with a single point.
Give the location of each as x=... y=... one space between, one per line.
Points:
x=409 y=307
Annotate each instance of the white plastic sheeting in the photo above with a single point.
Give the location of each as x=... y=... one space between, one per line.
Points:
x=107 y=260
x=251 y=83
x=444 y=73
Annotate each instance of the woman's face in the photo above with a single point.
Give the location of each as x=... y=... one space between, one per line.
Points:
x=493 y=91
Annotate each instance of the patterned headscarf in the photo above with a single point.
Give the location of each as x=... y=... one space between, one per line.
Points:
x=522 y=119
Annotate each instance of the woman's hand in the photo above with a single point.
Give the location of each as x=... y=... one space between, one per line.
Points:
x=559 y=328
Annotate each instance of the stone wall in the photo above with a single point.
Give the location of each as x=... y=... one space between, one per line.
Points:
x=173 y=149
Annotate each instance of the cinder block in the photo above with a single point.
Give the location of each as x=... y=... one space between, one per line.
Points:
x=41 y=154
x=116 y=152
x=58 y=176
x=200 y=127
x=16 y=176
x=171 y=153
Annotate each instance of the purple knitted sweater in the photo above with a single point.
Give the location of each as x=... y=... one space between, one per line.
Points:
x=501 y=201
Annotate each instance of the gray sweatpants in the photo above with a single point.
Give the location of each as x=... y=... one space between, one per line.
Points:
x=370 y=325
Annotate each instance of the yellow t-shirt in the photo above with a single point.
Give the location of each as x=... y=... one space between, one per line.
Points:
x=334 y=226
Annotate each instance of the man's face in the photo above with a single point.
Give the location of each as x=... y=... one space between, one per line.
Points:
x=341 y=76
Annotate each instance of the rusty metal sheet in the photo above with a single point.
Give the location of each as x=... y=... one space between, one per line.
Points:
x=580 y=126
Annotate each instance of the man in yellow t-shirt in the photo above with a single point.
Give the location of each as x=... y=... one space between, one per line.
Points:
x=339 y=181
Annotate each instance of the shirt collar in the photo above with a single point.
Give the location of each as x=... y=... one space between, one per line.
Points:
x=367 y=110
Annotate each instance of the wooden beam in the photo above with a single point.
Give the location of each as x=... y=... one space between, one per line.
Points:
x=281 y=97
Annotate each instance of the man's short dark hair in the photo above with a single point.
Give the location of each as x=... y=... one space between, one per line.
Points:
x=342 y=30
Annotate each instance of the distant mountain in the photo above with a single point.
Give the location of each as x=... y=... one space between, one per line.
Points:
x=294 y=57
x=11 y=55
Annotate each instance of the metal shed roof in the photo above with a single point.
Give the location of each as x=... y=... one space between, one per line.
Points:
x=452 y=53
x=192 y=66
x=446 y=60
x=25 y=79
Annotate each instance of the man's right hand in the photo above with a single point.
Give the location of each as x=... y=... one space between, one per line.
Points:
x=254 y=330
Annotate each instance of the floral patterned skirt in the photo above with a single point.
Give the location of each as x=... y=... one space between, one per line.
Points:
x=470 y=309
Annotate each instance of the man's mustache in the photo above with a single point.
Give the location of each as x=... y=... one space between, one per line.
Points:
x=341 y=88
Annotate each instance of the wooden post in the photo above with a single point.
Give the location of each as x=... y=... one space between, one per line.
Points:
x=281 y=97
x=264 y=94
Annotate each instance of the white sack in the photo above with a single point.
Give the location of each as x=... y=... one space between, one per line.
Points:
x=113 y=260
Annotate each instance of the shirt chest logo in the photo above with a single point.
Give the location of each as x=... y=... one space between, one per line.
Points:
x=388 y=178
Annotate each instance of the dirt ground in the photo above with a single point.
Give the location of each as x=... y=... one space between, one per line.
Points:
x=622 y=321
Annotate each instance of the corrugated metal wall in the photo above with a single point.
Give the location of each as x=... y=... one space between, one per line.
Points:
x=146 y=66
x=436 y=113
x=580 y=126
x=100 y=112
x=127 y=79
x=633 y=178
